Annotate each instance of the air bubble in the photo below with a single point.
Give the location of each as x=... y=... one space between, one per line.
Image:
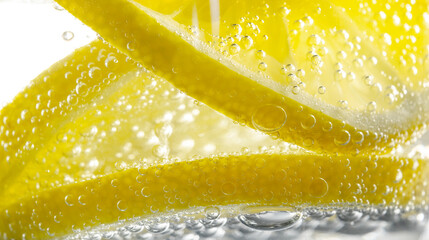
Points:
x=234 y=49
x=296 y=90
x=247 y=42
x=68 y=35
x=158 y=227
x=398 y=176
x=260 y=54
x=343 y=138
x=321 y=90
x=368 y=80
x=341 y=55
x=309 y=122
x=300 y=73
x=340 y=75
x=94 y=72
x=271 y=220
x=236 y=29
x=316 y=60
x=284 y=11
x=262 y=66
x=131 y=46
x=371 y=107
x=318 y=188
x=314 y=40
x=269 y=118
x=111 y=62
x=212 y=213
x=121 y=206
x=82 y=89
x=343 y=104
x=228 y=188
x=358 y=137
x=349 y=215
x=68 y=200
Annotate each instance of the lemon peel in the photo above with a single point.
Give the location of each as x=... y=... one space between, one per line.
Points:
x=201 y=71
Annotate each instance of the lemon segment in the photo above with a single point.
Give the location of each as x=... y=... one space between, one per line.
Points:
x=53 y=99
x=259 y=179
x=352 y=118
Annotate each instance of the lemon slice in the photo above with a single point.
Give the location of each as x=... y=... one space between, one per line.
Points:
x=260 y=179
x=299 y=71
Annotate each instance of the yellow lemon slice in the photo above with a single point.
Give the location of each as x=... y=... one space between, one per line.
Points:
x=260 y=179
x=303 y=72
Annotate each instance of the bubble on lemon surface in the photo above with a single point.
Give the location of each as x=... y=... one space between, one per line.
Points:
x=318 y=187
x=269 y=118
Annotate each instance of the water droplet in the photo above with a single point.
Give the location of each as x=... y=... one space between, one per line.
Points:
x=318 y=188
x=269 y=118
x=271 y=220
x=68 y=35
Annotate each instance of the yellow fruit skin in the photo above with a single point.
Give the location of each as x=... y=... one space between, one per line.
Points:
x=261 y=179
x=122 y=22
x=52 y=100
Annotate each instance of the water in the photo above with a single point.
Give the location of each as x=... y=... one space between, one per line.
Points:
x=350 y=223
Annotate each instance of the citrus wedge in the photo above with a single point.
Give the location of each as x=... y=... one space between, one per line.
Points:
x=303 y=72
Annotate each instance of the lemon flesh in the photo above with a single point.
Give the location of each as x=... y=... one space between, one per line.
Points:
x=308 y=75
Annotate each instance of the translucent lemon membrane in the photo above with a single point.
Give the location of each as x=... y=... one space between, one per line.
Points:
x=129 y=144
x=306 y=73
